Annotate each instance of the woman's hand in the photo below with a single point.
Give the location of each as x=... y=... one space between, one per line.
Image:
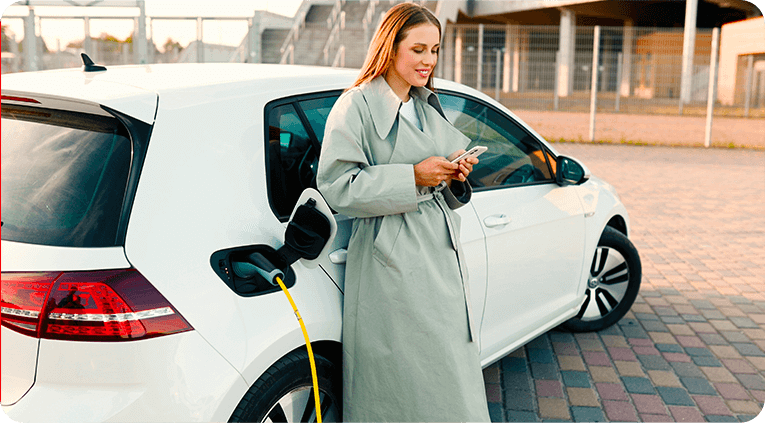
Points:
x=434 y=170
x=465 y=166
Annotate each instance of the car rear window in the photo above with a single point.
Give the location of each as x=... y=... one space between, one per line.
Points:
x=64 y=177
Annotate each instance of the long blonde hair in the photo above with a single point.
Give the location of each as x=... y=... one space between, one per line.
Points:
x=393 y=29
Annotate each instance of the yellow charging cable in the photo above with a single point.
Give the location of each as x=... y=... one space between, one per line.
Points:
x=310 y=351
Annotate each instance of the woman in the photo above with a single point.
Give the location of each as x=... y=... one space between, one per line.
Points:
x=408 y=336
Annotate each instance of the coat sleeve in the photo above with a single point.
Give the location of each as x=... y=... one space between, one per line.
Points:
x=346 y=178
x=458 y=194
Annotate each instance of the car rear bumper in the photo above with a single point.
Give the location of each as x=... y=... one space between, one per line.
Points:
x=172 y=378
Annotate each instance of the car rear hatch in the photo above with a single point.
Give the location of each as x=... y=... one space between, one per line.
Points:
x=70 y=168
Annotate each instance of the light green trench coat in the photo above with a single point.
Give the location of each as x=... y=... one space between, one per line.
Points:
x=408 y=353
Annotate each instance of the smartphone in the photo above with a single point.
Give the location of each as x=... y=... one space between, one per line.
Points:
x=473 y=152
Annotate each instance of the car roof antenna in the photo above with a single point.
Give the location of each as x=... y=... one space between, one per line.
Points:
x=89 y=66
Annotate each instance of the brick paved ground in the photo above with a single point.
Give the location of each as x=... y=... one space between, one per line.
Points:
x=692 y=348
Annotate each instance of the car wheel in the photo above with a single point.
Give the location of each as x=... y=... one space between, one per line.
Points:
x=284 y=393
x=613 y=284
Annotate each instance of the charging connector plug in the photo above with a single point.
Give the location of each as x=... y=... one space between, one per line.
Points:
x=254 y=264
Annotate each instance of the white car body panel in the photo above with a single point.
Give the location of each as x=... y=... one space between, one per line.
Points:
x=19 y=362
x=172 y=378
x=525 y=293
x=21 y=257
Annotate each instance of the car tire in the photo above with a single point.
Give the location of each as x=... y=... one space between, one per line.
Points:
x=612 y=286
x=284 y=393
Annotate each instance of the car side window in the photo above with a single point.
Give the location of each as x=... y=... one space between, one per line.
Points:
x=514 y=157
x=294 y=134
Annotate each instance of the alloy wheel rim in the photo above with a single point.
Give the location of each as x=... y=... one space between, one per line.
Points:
x=607 y=284
x=298 y=405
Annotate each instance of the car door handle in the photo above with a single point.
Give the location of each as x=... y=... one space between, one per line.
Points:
x=497 y=220
x=338 y=256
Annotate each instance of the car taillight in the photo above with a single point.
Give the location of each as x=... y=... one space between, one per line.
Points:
x=110 y=305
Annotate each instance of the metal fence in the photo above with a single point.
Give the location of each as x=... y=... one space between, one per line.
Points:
x=639 y=69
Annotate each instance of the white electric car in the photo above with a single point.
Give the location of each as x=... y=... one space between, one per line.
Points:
x=128 y=194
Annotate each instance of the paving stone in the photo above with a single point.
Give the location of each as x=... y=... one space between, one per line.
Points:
x=622 y=354
x=590 y=345
x=521 y=416
x=646 y=350
x=493 y=392
x=744 y=407
x=519 y=401
x=544 y=371
x=672 y=320
x=675 y=348
x=497 y=414
x=744 y=322
x=575 y=379
x=662 y=418
x=638 y=385
x=713 y=315
x=686 y=414
x=588 y=414
x=712 y=339
x=652 y=362
x=596 y=358
x=640 y=342
x=565 y=348
x=690 y=341
x=751 y=382
x=611 y=391
x=540 y=343
x=687 y=370
x=557 y=336
x=693 y=318
x=612 y=330
x=634 y=332
x=718 y=374
x=662 y=338
x=754 y=333
x=629 y=368
x=645 y=316
x=731 y=391
x=614 y=341
x=582 y=397
x=648 y=404
x=567 y=362
x=711 y=418
x=757 y=362
x=724 y=351
x=603 y=374
x=654 y=326
x=664 y=378
x=725 y=325
x=681 y=329
x=748 y=349
x=549 y=388
x=541 y=356
x=665 y=311
x=703 y=304
x=698 y=386
x=555 y=408
x=738 y=365
x=698 y=352
x=712 y=405
x=491 y=374
x=514 y=364
x=735 y=336
x=758 y=395
x=677 y=357
x=707 y=361
x=516 y=381
x=674 y=396
x=745 y=417
x=620 y=411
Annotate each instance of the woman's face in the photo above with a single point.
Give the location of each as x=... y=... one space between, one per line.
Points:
x=416 y=56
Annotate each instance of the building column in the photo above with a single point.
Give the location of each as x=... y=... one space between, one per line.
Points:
x=200 y=44
x=523 y=60
x=447 y=68
x=509 y=38
x=139 y=38
x=689 y=49
x=479 y=76
x=30 y=42
x=624 y=84
x=566 y=45
x=458 y=55
x=254 y=40
x=516 y=59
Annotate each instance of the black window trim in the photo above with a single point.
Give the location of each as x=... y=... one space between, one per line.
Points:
x=544 y=148
x=295 y=102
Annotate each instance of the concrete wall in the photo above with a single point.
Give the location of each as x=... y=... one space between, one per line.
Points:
x=737 y=38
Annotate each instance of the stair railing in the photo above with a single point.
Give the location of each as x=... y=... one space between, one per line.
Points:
x=288 y=46
x=334 y=36
x=339 y=57
x=369 y=16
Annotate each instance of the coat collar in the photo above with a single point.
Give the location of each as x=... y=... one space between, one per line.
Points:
x=384 y=104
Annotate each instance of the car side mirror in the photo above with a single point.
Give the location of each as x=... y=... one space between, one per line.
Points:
x=570 y=172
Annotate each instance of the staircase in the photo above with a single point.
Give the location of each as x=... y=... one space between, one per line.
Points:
x=330 y=33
